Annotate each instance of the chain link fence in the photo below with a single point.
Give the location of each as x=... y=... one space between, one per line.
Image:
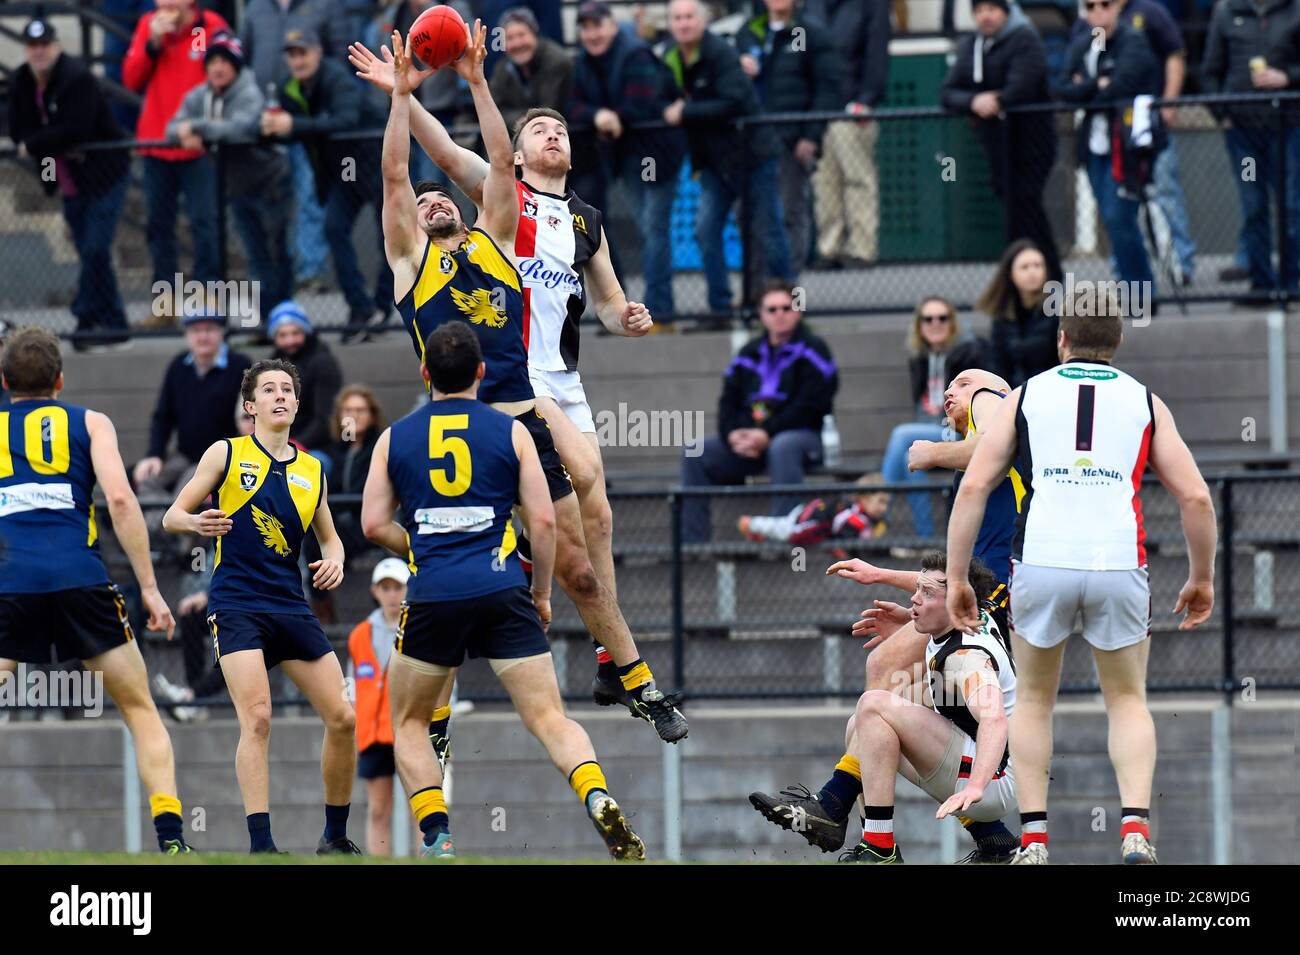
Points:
x=914 y=202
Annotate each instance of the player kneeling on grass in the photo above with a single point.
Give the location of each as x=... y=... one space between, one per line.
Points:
x=456 y=467
x=56 y=600
x=268 y=493
x=947 y=735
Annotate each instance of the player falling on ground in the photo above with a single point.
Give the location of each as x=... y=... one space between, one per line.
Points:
x=267 y=495
x=897 y=657
x=950 y=737
x=1081 y=435
x=455 y=468
x=563 y=254
x=444 y=271
x=54 y=588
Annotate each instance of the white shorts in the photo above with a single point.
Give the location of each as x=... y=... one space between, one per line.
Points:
x=953 y=773
x=1049 y=603
x=565 y=389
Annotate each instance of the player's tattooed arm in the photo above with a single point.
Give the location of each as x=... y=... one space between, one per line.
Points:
x=128 y=520
x=327 y=573
x=379 y=501
x=211 y=522
x=616 y=313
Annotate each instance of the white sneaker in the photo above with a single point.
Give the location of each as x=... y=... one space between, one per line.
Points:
x=1136 y=850
x=1033 y=854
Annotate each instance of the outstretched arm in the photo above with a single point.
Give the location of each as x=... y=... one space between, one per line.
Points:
x=402 y=235
x=500 y=217
x=466 y=168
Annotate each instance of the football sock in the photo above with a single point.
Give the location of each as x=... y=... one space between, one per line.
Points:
x=990 y=836
x=602 y=655
x=430 y=811
x=1033 y=828
x=440 y=721
x=166 y=818
x=837 y=796
x=635 y=674
x=878 y=832
x=259 y=832
x=1135 y=820
x=587 y=778
x=336 y=822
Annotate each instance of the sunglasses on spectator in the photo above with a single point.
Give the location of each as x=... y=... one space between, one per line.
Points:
x=940 y=318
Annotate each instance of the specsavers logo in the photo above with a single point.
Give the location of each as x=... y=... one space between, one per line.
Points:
x=1083 y=472
x=1075 y=373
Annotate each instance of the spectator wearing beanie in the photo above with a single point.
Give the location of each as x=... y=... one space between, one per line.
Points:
x=163 y=64
x=227 y=110
x=295 y=340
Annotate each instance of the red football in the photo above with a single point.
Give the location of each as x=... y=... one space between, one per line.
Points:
x=439 y=36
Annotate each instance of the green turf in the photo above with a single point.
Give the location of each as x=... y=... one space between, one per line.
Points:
x=235 y=858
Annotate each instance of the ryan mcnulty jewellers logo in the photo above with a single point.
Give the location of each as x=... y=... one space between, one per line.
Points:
x=63 y=689
x=75 y=908
x=1083 y=471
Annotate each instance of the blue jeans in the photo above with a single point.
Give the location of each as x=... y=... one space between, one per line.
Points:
x=341 y=208
x=788 y=454
x=164 y=182
x=262 y=221
x=654 y=207
x=1172 y=202
x=309 y=247
x=1120 y=216
x=717 y=196
x=1257 y=196
x=93 y=222
x=894 y=469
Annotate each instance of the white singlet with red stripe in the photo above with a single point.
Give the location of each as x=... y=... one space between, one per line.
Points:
x=1083 y=434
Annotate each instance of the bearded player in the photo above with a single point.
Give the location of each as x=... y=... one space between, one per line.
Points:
x=897 y=647
x=564 y=262
x=445 y=271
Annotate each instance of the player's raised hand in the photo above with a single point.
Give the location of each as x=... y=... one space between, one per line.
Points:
x=1195 y=601
x=855 y=569
x=963 y=608
x=881 y=621
x=636 y=320
x=543 y=604
x=213 y=523
x=405 y=76
x=371 y=68
x=960 y=802
x=470 y=65
x=160 y=615
x=329 y=573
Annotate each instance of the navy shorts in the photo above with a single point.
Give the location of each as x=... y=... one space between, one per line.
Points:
x=79 y=624
x=280 y=636
x=376 y=761
x=557 y=476
x=498 y=626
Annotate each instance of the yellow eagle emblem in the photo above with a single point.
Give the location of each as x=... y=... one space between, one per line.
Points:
x=272 y=531
x=479 y=307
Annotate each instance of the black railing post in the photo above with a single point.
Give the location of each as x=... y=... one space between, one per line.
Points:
x=679 y=596
x=1225 y=581
x=747 y=289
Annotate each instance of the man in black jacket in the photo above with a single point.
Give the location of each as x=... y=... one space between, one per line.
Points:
x=322 y=99
x=617 y=82
x=713 y=92
x=1247 y=51
x=795 y=68
x=847 y=184
x=775 y=393
x=1104 y=70
x=54 y=104
x=1004 y=63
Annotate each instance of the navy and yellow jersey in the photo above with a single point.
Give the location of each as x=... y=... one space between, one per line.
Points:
x=271 y=505
x=479 y=285
x=48 y=538
x=456 y=473
x=993 y=544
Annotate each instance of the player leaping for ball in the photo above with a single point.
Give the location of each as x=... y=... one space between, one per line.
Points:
x=897 y=657
x=444 y=271
x=54 y=589
x=564 y=260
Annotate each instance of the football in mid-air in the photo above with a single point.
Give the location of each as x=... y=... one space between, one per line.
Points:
x=439 y=36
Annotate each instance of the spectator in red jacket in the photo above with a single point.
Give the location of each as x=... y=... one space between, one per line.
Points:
x=164 y=62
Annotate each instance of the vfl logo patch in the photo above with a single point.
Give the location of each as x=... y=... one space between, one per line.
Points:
x=272 y=531
x=246 y=481
x=445 y=265
x=530 y=208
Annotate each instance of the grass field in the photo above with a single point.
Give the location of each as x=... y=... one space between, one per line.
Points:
x=235 y=858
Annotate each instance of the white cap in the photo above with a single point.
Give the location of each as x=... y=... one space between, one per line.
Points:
x=390 y=568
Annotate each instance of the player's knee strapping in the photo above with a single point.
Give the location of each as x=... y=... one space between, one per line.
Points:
x=587 y=778
x=430 y=810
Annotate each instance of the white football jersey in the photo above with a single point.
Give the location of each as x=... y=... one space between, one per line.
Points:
x=1083 y=434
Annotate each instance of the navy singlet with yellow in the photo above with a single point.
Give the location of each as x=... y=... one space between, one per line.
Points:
x=478 y=284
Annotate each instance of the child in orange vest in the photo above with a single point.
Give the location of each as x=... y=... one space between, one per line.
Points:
x=370 y=646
